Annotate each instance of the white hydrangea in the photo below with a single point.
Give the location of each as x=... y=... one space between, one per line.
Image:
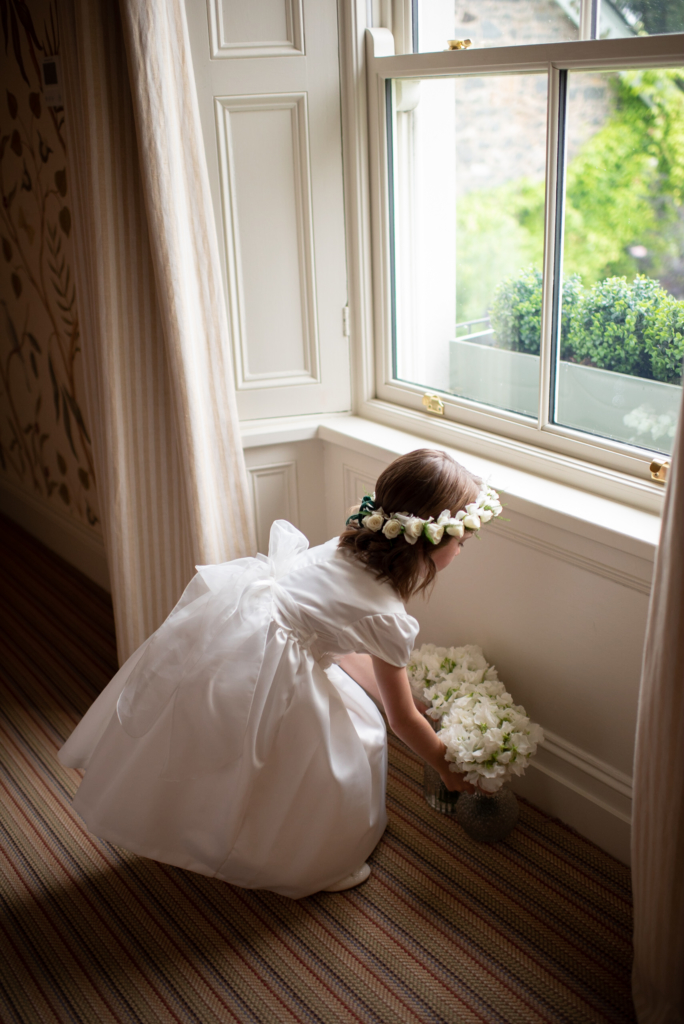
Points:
x=488 y=737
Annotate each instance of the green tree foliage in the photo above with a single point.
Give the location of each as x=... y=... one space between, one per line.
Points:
x=626 y=185
x=608 y=326
x=634 y=328
x=496 y=235
x=664 y=338
x=516 y=312
x=624 y=188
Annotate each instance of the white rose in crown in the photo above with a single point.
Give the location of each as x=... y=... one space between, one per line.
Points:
x=413 y=528
x=434 y=532
x=488 y=738
x=374 y=522
x=472 y=522
x=453 y=526
x=472 y=517
x=392 y=529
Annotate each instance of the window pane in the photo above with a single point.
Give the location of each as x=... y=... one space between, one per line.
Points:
x=640 y=17
x=622 y=324
x=496 y=22
x=469 y=180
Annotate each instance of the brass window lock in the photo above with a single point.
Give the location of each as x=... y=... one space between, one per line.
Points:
x=433 y=403
x=659 y=468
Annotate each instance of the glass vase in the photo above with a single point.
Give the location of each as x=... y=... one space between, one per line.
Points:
x=434 y=790
x=488 y=819
x=436 y=793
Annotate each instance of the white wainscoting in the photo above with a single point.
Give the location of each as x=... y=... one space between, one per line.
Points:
x=584 y=792
x=269 y=28
x=355 y=485
x=268 y=220
x=274 y=491
x=287 y=483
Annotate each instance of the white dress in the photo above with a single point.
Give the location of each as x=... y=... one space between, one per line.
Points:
x=230 y=744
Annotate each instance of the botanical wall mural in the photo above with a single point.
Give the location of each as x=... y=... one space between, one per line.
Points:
x=45 y=442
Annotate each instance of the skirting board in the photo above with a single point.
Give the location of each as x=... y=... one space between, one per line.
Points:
x=585 y=793
x=76 y=543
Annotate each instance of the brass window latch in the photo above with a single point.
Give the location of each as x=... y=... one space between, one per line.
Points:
x=659 y=468
x=459 y=44
x=433 y=403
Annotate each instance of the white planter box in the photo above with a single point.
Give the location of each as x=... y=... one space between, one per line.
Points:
x=615 y=405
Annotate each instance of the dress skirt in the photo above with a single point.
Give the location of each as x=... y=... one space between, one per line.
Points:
x=302 y=807
x=231 y=743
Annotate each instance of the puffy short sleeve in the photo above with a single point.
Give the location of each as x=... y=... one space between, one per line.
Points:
x=390 y=637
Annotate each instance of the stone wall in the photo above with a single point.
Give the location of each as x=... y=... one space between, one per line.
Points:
x=501 y=121
x=513 y=22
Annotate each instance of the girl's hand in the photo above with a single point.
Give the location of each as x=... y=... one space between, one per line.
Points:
x=455 y=782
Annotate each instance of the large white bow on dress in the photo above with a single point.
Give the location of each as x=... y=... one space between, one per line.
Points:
x=202 y=665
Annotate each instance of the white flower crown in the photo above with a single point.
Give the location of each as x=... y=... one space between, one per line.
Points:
x=471 y=518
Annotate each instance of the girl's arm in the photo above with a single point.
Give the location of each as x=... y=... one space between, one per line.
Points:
x=410 y=726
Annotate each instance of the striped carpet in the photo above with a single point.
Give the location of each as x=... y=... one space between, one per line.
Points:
x=535 y=929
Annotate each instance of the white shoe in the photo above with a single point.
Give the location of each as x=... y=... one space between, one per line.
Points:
x=355 y=878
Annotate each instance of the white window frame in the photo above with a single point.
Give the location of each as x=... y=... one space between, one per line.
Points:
x=614 y=470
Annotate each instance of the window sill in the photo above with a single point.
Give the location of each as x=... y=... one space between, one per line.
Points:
x=541 y=505
x=581 y=472
x=285 y=429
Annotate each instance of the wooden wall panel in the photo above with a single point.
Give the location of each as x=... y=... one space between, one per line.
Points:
x=266 y=184
x=269 y=28
x=274 y=489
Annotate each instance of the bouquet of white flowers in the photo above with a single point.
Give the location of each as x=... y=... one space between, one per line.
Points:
x=488 y=737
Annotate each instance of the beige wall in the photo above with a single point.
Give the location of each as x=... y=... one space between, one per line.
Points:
x=45 y=453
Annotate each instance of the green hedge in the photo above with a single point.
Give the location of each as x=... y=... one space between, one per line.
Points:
x=635 y=328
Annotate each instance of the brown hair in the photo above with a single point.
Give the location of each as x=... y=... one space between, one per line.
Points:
x=423 y=483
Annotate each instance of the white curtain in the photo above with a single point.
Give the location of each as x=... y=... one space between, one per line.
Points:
x=658 y=808
x=170 y=470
